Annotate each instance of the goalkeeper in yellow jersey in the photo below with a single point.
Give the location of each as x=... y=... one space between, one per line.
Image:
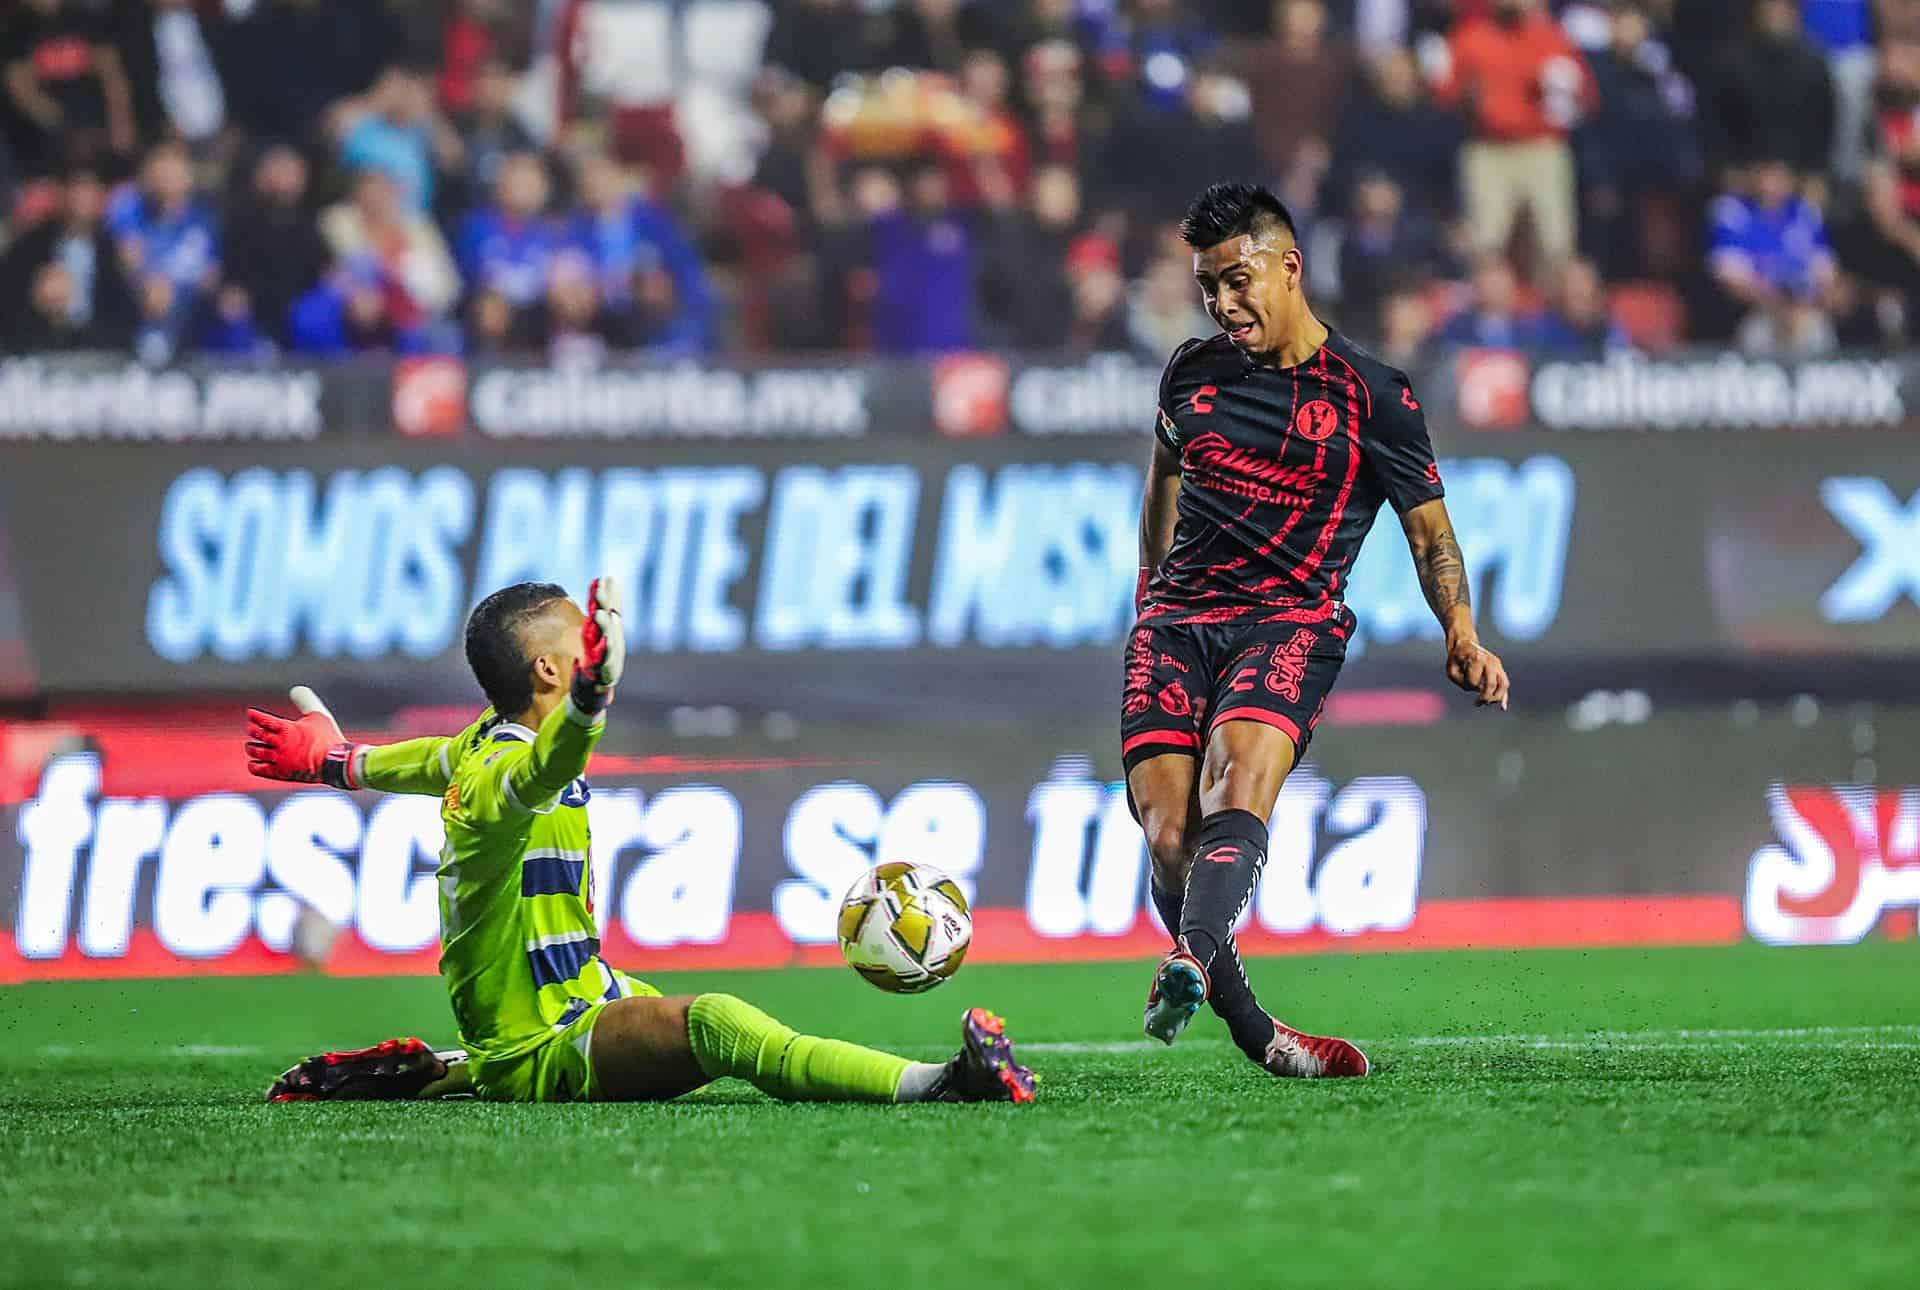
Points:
x=542 y=1017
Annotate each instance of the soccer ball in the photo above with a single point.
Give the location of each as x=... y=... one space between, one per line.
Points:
x=905 y=927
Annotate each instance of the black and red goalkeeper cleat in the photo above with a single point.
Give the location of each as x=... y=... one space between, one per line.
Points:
x=394 y=1070
x=984 y=1069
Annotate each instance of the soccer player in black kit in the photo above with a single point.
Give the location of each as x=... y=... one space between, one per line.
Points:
x=1277 y=441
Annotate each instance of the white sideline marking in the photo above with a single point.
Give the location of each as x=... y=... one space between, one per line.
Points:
x=1886 y=1037
x=1669 y=1038
x=1140 y=1045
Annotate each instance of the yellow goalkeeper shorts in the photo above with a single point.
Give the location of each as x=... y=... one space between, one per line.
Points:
x=560 y=1068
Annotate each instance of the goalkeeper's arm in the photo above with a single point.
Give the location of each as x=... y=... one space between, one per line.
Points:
x=559 y=756
x=422 y=766
x=311 y=750
x=568 y=734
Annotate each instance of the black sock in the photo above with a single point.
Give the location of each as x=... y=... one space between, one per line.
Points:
x=1231 y=994
x=1168 y=903
x=1231 y=997
x=1228 y=854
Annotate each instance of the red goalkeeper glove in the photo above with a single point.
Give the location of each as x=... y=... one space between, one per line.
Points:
x=310 y=750
x=603 y=649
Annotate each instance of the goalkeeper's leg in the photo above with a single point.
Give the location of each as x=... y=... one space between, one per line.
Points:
x=651 y=1049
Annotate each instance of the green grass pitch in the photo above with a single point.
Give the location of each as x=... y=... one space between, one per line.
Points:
x=1622 y=1118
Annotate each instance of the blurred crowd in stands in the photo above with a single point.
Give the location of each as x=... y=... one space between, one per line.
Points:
x=574 y=178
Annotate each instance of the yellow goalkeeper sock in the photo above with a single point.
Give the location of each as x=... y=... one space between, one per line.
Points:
x=732 y=1037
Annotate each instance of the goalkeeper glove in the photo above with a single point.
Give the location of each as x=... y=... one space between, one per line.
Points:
x=603 y=649
x=310 y=750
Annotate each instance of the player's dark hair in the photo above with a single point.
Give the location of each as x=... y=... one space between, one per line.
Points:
x=495 y=651
x=1222 y=211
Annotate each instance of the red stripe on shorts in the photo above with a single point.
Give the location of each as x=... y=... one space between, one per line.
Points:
x=1177 y=738
x=1278 y=720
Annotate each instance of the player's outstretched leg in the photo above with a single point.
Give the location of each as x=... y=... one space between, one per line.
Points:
x=1264 y=1038
x=390 y=1071
x=655 y=1048
x=1161 y=790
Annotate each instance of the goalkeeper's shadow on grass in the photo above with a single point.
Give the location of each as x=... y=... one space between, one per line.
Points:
x=699 y=1100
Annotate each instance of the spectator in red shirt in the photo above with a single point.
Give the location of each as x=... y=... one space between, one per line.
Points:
x=1099 y=295
x=477 y=33
x=1522 y=87
x=988 y=154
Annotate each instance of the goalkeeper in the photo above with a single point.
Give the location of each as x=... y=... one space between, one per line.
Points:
x=543 y=1018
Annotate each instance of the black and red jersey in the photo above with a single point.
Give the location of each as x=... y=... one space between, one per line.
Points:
x=1282 y=472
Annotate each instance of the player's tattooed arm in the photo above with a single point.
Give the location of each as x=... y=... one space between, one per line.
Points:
x=1443 y=577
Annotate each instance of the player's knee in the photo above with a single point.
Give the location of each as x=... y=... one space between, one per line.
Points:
x=1242 y=781
x=1167 y=845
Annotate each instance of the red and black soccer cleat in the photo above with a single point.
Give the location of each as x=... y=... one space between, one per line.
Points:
x=984 y=1069
x=1294 y=1055
x=391 y=1071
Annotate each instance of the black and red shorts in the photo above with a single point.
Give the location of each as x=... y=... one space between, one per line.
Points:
x=1185 y=678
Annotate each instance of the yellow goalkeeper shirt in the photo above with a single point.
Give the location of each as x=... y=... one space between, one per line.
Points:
x=519 y=947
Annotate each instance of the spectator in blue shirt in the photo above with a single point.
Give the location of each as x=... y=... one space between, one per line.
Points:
x=508 y=247
x=1768 y=252
x=1581 y=323
x=923 y=264
x=1494 y=318
x=642 y=262
x=227 y=327
x=1384 y=246
x=394 y=128
x=166 y=236
x=1165 y=48
x=352 y=312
